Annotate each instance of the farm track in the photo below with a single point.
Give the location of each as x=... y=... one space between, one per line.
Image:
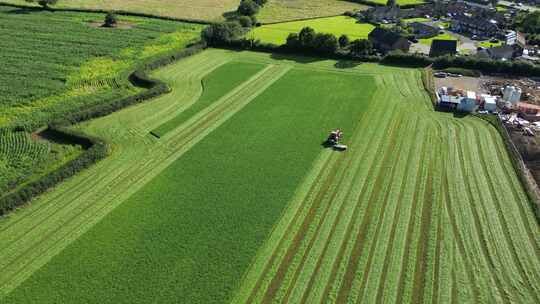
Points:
x=424 y=207
x=27 y=247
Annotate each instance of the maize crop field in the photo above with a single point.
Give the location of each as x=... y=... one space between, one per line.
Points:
x=56 y=63
x=239 y=202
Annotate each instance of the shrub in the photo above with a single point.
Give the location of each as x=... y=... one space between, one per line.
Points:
x=221 y=33
x=248 y=8
x=343 y=41
x=245 y=21
x=260 y=3
x=44 y=3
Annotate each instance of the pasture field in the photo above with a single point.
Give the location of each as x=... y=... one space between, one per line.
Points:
x=206 y=10
x=55 y=63
x=289 y=10
x=241 y=203
x=277 y=33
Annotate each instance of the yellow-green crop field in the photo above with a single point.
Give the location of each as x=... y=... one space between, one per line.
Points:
x=341 y=25
x=240 y=202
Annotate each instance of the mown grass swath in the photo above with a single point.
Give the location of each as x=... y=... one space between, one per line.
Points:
x=218 y=83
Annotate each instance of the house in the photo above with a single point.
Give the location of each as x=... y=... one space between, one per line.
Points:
x=422 y=30
x=443 y=47
x=474 y=26
x=386 y=40
x=505 y=52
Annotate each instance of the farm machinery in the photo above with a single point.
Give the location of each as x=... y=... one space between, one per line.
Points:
x=333 y=140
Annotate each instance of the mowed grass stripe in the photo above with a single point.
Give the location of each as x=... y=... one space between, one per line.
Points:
x=215 y=85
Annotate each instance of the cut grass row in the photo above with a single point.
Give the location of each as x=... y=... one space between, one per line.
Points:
x=340 y=25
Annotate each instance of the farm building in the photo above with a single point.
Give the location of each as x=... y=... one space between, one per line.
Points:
x=459 y=100
x=504 y=52
x=443 y=47
x=490 y=102
x=386 y=40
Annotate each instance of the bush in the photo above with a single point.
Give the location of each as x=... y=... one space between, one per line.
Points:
x=221 y=33
x=260 y=3
x=343 y=41
x=245 y=21
x=248 y=8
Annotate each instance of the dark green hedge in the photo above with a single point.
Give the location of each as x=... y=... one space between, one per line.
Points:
x=98 y=149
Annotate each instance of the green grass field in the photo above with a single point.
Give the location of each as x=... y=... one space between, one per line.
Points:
x=240 y=202
x=277 y=33
x=488 y=44
x=445 y=36
x=289 y=10
x=208 y=10
x=54 y=63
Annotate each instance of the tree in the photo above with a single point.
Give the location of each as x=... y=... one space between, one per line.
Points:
x=361 y=47
x=391 y=3
x=220 y=33
x=293 y=41
x=325 y=43
x=529 y=22
x=44 y=3
x=245 y=21
x=110 y=20
x=307 y=37
x=343 y=41
x=248 y=8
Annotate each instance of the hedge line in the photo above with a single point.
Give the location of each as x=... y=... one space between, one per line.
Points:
x=528 y=182
x=429 y=84
x=97 y=149
x=104 y=11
